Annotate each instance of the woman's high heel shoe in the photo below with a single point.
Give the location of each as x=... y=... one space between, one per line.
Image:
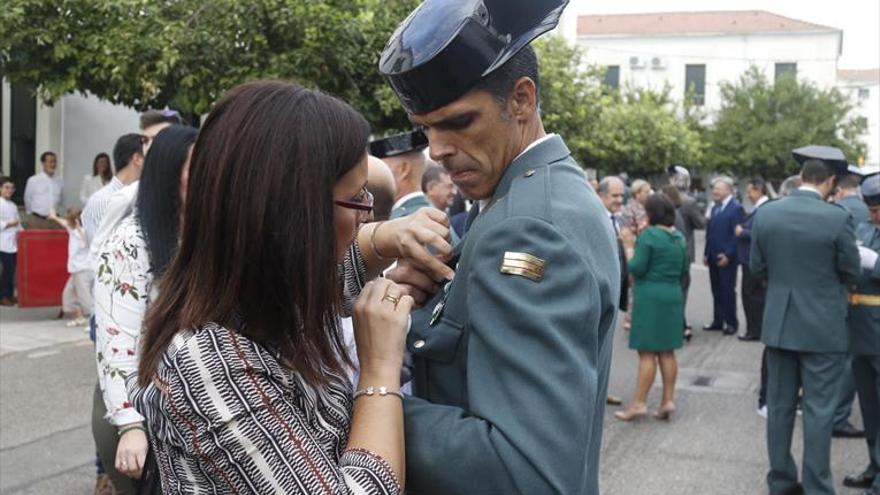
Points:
x=630 y=414
x=665 y=411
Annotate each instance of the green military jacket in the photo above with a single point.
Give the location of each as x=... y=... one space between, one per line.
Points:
x=511 y=358
x=857 y=207
x=410 y=206
x=415 y=204
x=806 y=248
x=864 y=320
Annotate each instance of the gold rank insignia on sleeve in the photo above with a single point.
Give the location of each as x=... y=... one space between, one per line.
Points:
x=524 y=265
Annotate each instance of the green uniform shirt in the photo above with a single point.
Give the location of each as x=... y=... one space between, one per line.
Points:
x=864 y=320
x=806 y=248
x=857 y=207
x=511 y=359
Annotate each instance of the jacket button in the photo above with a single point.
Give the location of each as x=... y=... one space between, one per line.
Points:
x=419 y=344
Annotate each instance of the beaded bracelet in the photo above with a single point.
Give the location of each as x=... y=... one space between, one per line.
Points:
x=126 y=429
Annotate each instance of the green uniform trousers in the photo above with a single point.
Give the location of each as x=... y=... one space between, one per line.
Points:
x=819 y=374
x=867 y=376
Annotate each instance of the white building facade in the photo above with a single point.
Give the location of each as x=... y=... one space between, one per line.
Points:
x=863 y=89
x=701 y=50
x=76 y=128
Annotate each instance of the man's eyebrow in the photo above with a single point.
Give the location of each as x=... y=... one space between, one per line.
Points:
x=452 y=121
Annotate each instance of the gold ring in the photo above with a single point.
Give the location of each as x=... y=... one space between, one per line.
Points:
x=393 y=299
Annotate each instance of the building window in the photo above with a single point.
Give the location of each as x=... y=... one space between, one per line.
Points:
x=864 y=94
x=786 y=69
x=695 y=83
x=612 y=77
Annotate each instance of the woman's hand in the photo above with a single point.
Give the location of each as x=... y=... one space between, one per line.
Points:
x=409 y=238
x=381 y=316
x=131 y=453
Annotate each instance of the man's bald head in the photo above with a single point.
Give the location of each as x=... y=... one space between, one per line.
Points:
x=408 y=170
x=380 y=183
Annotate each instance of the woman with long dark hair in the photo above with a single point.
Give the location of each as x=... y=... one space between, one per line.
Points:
x=101 y=175
x=242 y=377
x=133 y=255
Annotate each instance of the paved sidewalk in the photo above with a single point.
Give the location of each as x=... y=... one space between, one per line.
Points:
x=28 y=329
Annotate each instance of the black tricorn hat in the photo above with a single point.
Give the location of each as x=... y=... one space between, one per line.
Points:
x=445 y=47
x=830 y=155
x=399 y=144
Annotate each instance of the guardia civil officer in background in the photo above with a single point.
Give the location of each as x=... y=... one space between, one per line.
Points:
x=405 y=155
x=511 y=358
x=864 y=328
x=806 y=248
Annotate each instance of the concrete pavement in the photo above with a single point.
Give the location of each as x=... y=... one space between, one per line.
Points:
x=713 y=445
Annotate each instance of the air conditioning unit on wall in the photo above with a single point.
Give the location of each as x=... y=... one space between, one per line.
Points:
x=658 y=63
x=636 y=63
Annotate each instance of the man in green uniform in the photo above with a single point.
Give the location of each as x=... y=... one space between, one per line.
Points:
x=864 y=328
x=848 y=195
x=511 y=358
x=405 y=156
x=806 y=248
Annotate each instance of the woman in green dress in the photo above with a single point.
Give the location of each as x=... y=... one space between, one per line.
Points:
x=658 y=266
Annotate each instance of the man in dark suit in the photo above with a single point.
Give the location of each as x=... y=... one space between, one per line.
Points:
x=611 y=191
x=720 y=255
x=753 y=289
x=806 y=248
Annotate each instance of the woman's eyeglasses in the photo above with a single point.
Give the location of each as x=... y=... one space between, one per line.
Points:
x=363 y=203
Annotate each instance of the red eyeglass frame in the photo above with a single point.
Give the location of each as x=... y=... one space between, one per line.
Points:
x=366 y=207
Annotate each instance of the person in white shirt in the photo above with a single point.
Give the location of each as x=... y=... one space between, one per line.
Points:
x=129 y=157
x=76 y=300
x=42 y=192
x=101 y=175
x=10 y=225
x=104 y=211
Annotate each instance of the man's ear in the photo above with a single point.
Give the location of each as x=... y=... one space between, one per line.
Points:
x=406 y=168
x=524 y=98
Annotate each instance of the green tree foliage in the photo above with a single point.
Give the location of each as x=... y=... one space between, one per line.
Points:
x=186 y=53
x=571 y=96
x=640 y=133
x=760 y=122
x=637 y=132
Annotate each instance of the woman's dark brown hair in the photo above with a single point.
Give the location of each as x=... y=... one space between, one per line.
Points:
x=660 y=210
x=257 y=250
x=107 y=174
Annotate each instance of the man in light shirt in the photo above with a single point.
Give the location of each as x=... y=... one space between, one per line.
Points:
x=42 y=193
x=130 y=148
x=129 y=158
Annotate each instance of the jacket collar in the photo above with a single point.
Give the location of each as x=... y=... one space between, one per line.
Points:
x=546 y=152
x=806 y=193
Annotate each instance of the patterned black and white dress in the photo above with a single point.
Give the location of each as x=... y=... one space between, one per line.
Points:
x=226 y=417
